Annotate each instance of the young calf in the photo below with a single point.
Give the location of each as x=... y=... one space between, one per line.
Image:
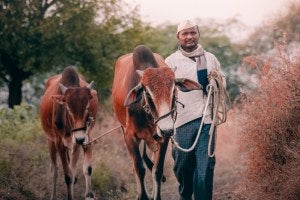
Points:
x=68 y=111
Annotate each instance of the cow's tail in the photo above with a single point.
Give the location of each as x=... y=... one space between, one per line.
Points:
x=149 y=162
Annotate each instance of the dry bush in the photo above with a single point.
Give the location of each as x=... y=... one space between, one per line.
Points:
x=271 y=133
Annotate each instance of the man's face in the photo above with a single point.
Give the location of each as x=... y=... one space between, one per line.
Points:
x=188 y=38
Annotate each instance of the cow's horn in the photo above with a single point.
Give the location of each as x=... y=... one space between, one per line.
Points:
x=63 y=88
x=91 y=85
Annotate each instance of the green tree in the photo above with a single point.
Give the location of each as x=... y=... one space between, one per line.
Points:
x=36 y=35
x=45 y=36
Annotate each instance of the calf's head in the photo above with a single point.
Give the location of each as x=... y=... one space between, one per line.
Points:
x=78 y=117
x=157 y=92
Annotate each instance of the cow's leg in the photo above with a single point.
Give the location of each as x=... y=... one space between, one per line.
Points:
x=54 y=167
x=63 y=153
x=157 y=170
x=139 y=169
x=74 y=155
x=87 y=171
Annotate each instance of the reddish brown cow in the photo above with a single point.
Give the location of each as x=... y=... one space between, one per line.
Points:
x=144 y=100
x=68 y=111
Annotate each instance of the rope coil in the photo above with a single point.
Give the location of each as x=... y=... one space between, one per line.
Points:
x=220 y=106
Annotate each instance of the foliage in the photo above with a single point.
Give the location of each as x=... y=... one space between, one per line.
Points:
x=41 y=36
x=271 y=134
x=285 y=27
x=104 y=181
x=34 y=38
x=19 y=124
x=19 y=128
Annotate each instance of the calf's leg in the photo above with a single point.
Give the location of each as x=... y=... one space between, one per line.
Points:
x=54 y=167
x=63 y=153
x=87 y=171
x=74 y=156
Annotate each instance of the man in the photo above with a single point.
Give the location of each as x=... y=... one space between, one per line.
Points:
x=194 y=170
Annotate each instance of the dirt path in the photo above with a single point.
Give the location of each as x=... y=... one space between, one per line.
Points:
x=113 y=153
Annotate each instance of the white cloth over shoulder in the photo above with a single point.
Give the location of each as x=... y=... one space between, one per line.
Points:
x=194 y=101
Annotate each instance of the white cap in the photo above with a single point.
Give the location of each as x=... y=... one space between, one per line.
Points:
x=185 y=25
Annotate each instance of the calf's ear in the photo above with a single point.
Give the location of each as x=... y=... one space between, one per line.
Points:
x=186 y=85
x=58 y=99
x=133 y=95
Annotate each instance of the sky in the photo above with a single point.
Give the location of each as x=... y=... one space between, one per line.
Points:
x=250 y=12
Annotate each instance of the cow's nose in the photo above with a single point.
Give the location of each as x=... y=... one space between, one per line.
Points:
x=79 y=140
x=167 y=132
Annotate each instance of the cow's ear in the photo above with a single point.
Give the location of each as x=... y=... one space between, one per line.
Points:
x=133 y=96
x=186 y=85
x=58 y=99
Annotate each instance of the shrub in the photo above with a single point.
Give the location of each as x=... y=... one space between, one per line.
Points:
x=19 y=124
x=271 y=134
x=104 y=182
x=19 y=153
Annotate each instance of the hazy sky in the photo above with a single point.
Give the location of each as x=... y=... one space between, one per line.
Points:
x=250 y=12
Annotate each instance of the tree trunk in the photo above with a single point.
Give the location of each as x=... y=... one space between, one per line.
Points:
x=15 y=92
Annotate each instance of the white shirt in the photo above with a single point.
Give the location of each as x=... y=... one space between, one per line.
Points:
x=194 y=101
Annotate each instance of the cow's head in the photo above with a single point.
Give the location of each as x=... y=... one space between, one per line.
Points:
x=76 y=101
x=157 y=92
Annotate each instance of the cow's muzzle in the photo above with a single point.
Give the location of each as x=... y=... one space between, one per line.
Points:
x=165 y=132
x=79 y=140
x=80 y=137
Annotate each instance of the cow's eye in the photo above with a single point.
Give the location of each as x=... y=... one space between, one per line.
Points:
x=151 y=103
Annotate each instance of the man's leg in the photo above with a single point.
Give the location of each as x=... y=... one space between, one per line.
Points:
x=184 y=163
x=204 y=172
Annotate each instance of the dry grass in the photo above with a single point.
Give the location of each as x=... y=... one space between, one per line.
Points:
x=271 y=134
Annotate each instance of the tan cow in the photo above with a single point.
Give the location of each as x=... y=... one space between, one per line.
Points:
x=68 y=112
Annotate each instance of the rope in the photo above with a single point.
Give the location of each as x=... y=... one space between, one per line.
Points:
x=99 y=137
x=199 y=130
x=220 y=101
x=220 y=106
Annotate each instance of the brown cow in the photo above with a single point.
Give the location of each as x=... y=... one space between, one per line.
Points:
x=68 y=111
x=144 y=100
